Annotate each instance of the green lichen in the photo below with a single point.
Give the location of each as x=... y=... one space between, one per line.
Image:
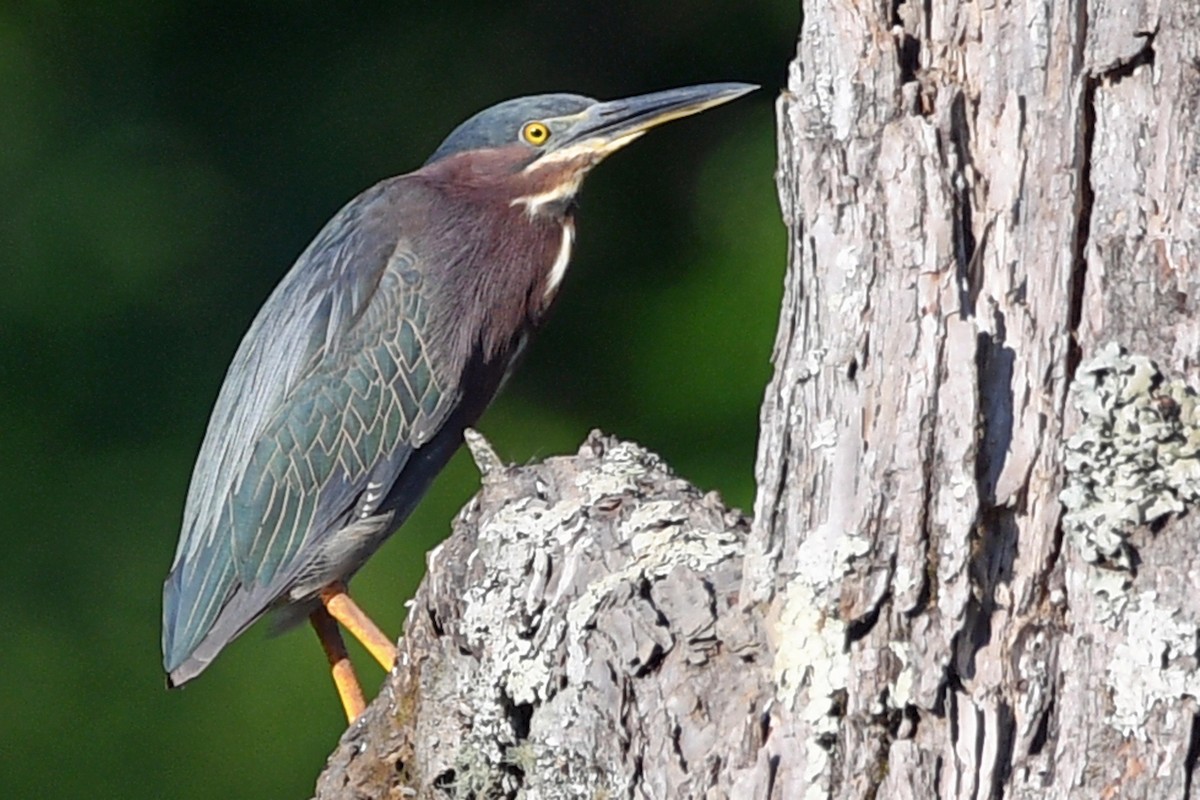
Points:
x=477 y=777
x=1135 y=458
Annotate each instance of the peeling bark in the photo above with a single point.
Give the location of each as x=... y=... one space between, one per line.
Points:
x=990 y=304
x=578 y=635
x=981 y=196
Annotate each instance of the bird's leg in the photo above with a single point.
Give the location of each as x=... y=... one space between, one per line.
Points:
x=348 y=688
x=360 y=626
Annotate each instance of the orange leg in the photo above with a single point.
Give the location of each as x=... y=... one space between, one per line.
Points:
x=358 y=624
x=348 y=688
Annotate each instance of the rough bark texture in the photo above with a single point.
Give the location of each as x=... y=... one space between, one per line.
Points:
x=971 y=569
x=982 y=195
x=578 y=636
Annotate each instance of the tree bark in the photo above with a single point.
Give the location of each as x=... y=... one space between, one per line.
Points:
x=577 y=636
x=969 y=570
x=981 y=196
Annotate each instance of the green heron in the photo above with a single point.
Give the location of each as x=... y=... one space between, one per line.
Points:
x=389 y=336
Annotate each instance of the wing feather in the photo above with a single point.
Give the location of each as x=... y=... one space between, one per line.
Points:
x=334 y=378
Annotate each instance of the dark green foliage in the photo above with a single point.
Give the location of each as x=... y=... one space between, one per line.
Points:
x=162 y=166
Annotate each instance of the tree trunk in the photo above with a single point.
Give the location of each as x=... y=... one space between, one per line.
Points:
x=969 y=570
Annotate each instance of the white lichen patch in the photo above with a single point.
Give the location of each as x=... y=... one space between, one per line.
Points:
x=811 y=655
x=851 y=547
x=810 y=367
x=623 y=464
x=658 y=549
x=477 y=775
x=1154 y=662
x=1135 y=458
x=811 y=662
x=810 y=648
x=520 y=667
x=554 y=604
x=1111 y=587
x=824 y=435
x=901 y=690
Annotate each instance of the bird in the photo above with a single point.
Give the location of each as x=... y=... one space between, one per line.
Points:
x=356 y=380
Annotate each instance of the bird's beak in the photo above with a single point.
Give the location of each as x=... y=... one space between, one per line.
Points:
x=606 y=127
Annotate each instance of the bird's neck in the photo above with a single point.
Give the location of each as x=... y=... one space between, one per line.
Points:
x=529 y=256
x=504 y=268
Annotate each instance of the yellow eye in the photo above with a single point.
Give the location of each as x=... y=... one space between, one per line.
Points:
x=536 y=133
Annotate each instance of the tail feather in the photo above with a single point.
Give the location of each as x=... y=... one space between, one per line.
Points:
x=202 y=613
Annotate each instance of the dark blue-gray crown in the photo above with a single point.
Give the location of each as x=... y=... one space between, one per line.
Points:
x=501 y=124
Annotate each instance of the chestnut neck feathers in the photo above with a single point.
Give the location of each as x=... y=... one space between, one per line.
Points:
x=503 y=258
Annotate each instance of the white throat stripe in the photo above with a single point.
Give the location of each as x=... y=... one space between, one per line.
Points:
x=533 y=202
x=559 y=268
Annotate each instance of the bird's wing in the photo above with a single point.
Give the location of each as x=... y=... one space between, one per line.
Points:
x=332 y=386
x=331 y=452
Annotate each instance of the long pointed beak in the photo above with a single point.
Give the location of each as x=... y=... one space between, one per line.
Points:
x=609 y=126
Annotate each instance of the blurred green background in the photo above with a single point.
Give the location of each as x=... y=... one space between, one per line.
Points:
x=162 y=164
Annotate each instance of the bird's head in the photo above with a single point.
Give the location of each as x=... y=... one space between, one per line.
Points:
x=539 y=148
